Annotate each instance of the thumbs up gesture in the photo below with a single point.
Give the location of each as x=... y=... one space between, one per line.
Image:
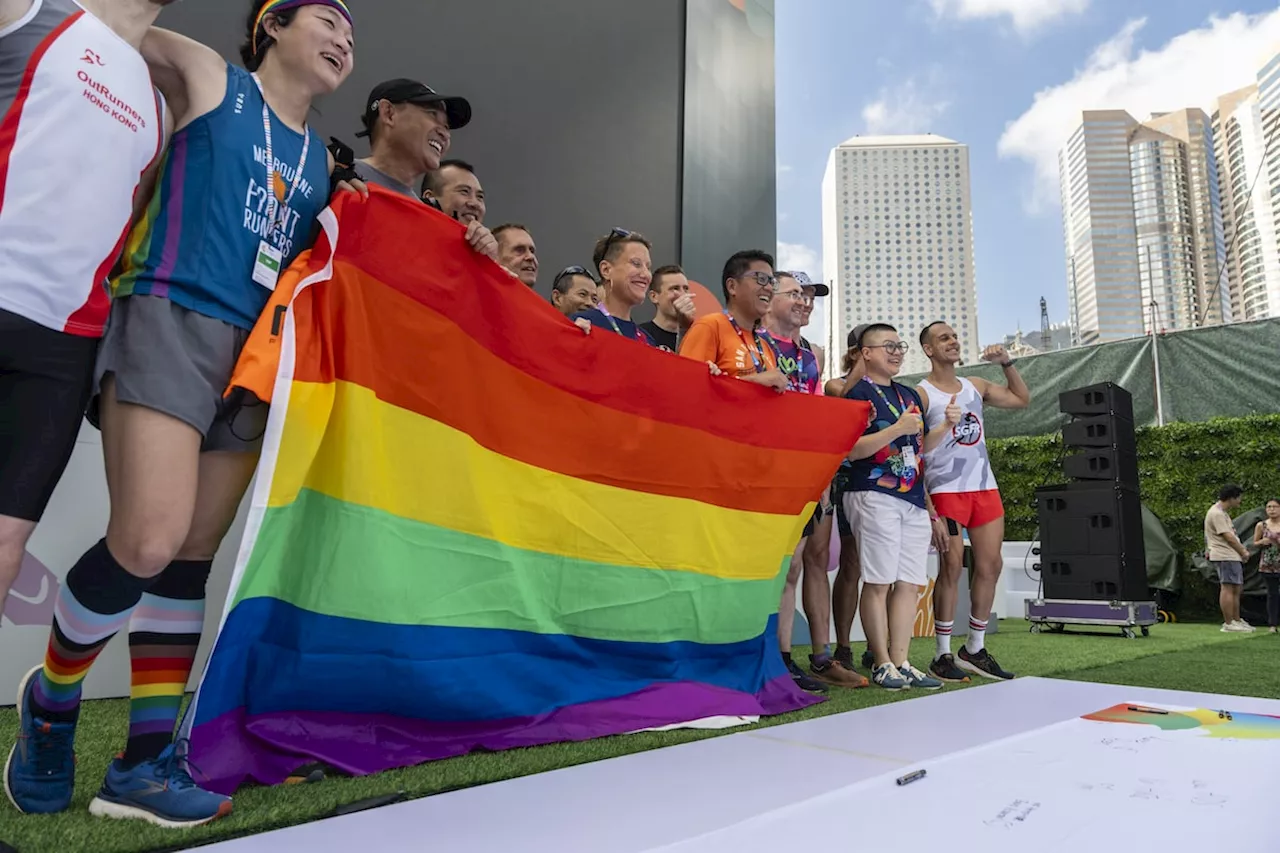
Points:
x=953 y=412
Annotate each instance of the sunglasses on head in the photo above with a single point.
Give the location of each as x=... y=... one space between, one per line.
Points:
x=568 y=271
x=614 y=236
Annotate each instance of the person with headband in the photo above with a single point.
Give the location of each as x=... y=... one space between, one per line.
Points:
x=57 y=249
x=237 y=199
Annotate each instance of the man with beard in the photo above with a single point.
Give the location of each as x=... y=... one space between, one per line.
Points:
x=455 y=189
x=62 y=228
x=734 y=339
x=517 y=252
x=959 y=479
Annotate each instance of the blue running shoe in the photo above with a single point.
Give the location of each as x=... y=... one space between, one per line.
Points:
x=40 y=775
x=160 y=791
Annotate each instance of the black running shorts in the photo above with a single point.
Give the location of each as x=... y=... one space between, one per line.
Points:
x=45 y=378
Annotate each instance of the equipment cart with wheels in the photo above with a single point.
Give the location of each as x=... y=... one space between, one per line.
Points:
x=1056 y=614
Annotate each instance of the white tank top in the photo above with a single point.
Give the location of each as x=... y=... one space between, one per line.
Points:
x=81 y=124
x=960 y=463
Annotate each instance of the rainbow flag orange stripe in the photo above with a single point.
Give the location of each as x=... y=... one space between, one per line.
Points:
x=476 y=527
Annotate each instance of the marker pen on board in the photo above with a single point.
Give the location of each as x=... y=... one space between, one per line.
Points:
x=910 y=777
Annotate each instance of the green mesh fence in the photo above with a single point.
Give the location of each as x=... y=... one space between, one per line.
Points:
x=1223 y=371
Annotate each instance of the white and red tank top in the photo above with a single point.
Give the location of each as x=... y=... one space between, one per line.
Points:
x=81 y=124
x=960 y=463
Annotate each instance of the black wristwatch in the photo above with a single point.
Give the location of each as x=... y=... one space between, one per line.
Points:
x=1006 y=365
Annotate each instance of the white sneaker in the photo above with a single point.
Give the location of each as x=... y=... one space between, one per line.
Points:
x=1244 y=625
x=1233 y=628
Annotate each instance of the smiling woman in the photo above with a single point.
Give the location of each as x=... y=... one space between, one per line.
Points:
x=236 y=200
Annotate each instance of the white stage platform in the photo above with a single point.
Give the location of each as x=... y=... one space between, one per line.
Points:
x=650 y=800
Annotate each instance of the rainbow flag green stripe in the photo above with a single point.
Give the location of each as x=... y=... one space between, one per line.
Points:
x=471 y=582
x=476 y=527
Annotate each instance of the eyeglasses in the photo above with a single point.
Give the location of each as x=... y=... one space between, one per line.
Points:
x=793 y=295
x=761 y=278
x=568 y=271
x=891 y=347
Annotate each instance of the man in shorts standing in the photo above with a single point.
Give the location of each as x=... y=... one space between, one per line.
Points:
x=1228 y=556
x=958 y=477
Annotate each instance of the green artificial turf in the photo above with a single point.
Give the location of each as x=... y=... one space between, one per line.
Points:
x=1181 y=657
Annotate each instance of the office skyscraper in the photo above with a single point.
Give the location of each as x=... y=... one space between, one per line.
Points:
x=1097 y=215
x=897 y=242
x=1250 y=168
x=1142 y=218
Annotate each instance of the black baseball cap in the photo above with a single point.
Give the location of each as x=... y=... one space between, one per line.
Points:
x=404 y=91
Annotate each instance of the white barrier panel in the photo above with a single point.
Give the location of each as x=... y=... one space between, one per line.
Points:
x=77 y=518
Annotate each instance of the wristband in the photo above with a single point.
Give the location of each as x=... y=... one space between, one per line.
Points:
x=1006 y=365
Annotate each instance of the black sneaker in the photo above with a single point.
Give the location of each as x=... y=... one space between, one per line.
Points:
x=844 y=657
x=982 y=663
x=945 y=669
x=868 y=660
x=805 y=682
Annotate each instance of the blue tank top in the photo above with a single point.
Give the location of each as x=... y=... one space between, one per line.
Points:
x=199 y=238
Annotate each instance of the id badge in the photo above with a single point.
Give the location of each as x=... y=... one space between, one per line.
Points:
x=909 y=457
x=266 y=267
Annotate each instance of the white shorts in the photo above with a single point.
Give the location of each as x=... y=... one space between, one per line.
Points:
x=893 y=537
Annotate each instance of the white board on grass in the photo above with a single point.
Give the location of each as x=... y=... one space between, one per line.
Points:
x=1186 y=779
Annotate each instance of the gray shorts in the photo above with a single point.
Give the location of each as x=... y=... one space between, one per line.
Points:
x=1229 y=571
x=178 y=362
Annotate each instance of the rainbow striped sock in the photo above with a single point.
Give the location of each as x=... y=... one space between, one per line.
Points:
x=93 y=605
x=164 y=634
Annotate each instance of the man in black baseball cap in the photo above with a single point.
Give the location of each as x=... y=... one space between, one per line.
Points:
x=409 y=126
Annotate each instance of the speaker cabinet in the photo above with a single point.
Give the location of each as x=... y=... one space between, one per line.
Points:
x=1107 y=398
x=1102 y=463
x=1090 y=520
x=1101 y=431
x=1094 y=578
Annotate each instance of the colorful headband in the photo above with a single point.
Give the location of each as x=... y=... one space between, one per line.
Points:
x=277 y=6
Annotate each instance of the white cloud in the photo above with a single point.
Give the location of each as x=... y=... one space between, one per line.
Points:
x=1026 y=15
x=797 y=256
x=1191 y=70
x=907 y=107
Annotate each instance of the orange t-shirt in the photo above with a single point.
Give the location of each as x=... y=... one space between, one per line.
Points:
x=713 y=337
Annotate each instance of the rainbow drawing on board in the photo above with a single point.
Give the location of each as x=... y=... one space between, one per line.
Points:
x=1220 y=724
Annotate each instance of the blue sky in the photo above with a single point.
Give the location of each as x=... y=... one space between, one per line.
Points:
x=1005 y=77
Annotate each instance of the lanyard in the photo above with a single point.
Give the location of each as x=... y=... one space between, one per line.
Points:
x=897 y=393
x=795 y=379
x=277 y=208
x=612 y=322
x=756 y=351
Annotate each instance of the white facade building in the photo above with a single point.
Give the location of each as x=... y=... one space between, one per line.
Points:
x=897 y=242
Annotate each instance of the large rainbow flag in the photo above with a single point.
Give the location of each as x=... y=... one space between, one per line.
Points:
x=476 y=527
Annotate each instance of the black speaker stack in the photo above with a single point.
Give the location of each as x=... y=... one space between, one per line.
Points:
x=1091 y=528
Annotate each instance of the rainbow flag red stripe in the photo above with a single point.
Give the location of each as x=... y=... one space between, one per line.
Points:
x=476 y=527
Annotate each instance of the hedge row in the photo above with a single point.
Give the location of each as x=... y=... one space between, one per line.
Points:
x=1181 y=468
